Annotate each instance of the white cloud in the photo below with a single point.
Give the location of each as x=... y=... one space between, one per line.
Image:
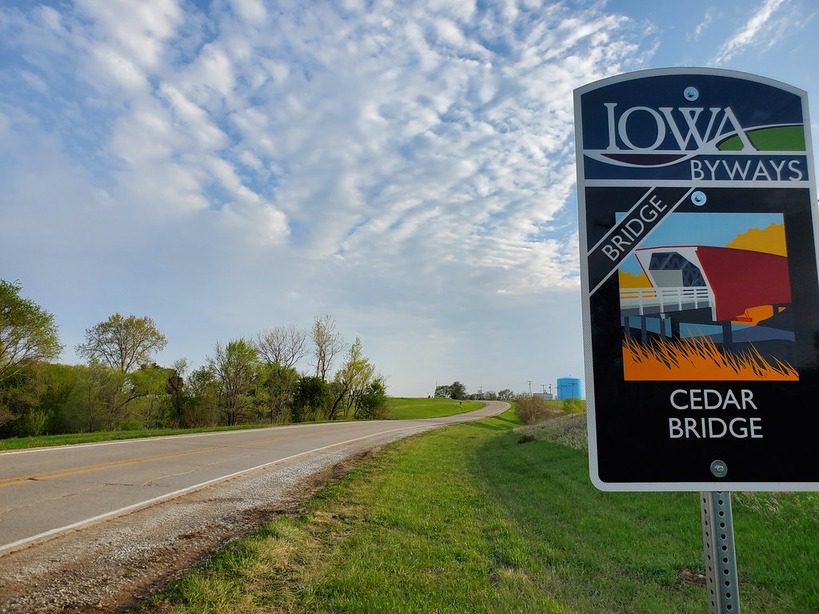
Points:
x=752 y=32
x=397 y=152
x=120 y=67
x=34 y=82
x=197 y=121
x=50 y=18
x=139 y=29
x=252 y=11
x=707 y=20
x=262 y=223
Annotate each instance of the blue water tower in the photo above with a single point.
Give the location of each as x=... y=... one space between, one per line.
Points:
x=569 y=388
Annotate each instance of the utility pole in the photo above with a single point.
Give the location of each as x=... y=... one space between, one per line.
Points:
x=530 y=389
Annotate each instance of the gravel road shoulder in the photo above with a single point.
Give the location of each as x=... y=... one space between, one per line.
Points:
x=113 y=565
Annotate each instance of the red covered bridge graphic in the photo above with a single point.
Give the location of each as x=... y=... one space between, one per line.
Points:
x=729 y=281
x=700 y=319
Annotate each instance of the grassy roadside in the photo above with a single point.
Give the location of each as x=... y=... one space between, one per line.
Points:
x=403 y=408
x=43 y=441
x=398 y=408
x=466 y=519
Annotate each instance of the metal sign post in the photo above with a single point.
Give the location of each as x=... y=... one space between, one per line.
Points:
x=719 y=551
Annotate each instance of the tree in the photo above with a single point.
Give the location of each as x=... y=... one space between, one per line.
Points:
x=27 y=332
x=326 y=345
x=443 y=392
x=153 y=406
x=102 y=388
x=278 y=384
x=282 y=346
x=235 y=368
x=372 y=402
x=506 y=395
x=202 y=392
x=351 y=380
x=20 y=401
x=457 y=391
x=87 y=401
x=312 y=398
x=122 y=343
x=176 y=388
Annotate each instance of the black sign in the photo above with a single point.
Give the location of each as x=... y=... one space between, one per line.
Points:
x=698 y=225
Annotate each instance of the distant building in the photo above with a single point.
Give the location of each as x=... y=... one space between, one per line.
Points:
x=569 y=388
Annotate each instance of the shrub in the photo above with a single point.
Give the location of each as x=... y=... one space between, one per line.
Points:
x=534 y=410
x=573 y=406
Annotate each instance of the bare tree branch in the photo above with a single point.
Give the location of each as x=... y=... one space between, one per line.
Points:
x=327 y=344
x=283 y=346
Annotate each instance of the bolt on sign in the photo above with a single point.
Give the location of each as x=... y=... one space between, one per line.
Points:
x=698 y=227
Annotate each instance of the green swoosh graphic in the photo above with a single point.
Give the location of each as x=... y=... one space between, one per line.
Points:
x=776 y=138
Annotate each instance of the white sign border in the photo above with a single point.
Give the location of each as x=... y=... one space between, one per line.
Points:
x=594 y=473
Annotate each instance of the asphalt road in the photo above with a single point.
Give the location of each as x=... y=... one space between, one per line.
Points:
x=45 y=492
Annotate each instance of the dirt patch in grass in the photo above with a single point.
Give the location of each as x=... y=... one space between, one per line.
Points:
x=690 y=576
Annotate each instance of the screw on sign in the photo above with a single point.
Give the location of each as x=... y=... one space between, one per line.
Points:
x=698 y=228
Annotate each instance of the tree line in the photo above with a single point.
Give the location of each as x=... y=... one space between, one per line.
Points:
x=121 y=387
x=456 y=390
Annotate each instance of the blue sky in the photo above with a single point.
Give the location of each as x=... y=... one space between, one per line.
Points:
x=407 y=167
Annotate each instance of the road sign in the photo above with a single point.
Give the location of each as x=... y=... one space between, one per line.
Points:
x=698 y=227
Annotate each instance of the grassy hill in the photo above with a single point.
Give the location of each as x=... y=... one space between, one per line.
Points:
x=404 y=408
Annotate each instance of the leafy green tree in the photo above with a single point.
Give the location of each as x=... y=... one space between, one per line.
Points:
x=351 y=380
x=28 y=336
x=175 y=387
x=20 y=396
x=443 y=392
x=153 y=406
x=60 y=382
x=506 y=395
x=27 y=331
x=457 y=391
x=372 y=402
x=88 y=405
x=202 y=398
x=312 y=398
x=277 y=390
x=235 y=366
x=122 y=343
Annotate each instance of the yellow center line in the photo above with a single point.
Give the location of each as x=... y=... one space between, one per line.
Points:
x=53 y=475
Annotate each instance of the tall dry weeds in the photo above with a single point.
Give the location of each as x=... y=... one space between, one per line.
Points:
x=534 y=410
x=698 y=358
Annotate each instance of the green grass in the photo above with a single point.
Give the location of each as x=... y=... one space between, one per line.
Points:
x=466 y=519
x=397 y=408
x=19 y=443
x=402 y=408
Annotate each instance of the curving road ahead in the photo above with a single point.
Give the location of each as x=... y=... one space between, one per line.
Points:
x=46 y=492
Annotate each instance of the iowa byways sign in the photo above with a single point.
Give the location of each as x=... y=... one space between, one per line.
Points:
x=698 y=226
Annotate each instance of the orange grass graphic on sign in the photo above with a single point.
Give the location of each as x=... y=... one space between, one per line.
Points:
x=698 y=359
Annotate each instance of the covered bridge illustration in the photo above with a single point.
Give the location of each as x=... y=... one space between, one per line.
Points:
x=702 y=284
